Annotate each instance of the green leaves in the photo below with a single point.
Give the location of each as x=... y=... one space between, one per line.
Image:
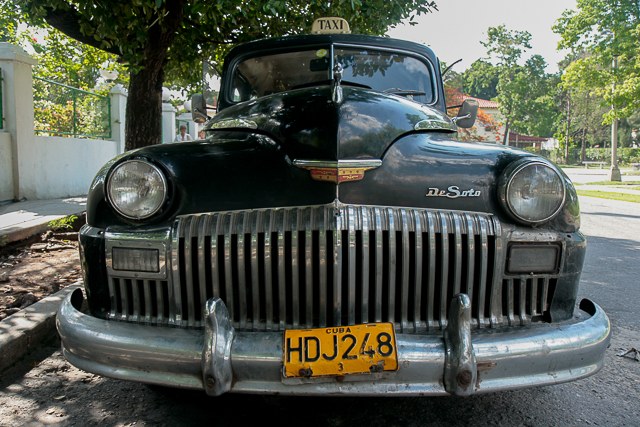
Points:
x=598 y=32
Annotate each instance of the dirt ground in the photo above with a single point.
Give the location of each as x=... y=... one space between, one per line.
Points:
x=33 y=269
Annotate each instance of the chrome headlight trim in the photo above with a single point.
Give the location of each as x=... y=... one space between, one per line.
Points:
x=506 y=180
x=155 y=170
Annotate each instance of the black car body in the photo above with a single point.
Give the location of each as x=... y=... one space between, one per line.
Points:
x=331 y=197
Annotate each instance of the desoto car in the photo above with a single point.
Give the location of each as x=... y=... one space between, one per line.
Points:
x=330 y=235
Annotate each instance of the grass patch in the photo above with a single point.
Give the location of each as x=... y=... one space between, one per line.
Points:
x=609 y=183
x=608 y=195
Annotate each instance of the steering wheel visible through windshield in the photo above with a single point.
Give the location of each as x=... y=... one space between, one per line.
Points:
x=385 y=71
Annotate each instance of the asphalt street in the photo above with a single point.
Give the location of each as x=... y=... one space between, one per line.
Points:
x=46 y=390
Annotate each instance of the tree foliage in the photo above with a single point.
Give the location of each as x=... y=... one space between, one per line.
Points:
x=156 y=38
x=480 y=80
x=604 y=30
x=60 y=58
x=525 y=92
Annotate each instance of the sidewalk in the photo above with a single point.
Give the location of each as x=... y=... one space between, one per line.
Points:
x=27 y=329
x=21 y=220
x=581 y=176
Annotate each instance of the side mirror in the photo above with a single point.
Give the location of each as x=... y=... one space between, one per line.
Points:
x=198 y=108
x=467 y=114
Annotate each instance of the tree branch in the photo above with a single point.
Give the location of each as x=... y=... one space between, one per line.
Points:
x=67 y=22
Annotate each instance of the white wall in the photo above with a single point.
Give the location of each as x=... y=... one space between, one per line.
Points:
x=65 y=167
x=6 y=167
x=43 y=167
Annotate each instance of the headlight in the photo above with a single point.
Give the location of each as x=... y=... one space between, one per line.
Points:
x=137 y=189
x=532 y=191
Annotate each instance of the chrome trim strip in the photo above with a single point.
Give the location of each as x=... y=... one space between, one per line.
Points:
x=371 y=164
x=233 y=124
x=433 y=124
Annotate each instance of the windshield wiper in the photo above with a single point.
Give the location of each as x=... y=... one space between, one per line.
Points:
x=326 y=82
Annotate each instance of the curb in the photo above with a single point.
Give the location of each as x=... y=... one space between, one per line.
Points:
x=23 y=231
x=27 y=329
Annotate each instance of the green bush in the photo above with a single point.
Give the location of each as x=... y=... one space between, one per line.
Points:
x=626 y=155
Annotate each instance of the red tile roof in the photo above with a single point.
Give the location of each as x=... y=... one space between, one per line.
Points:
x=483 y=103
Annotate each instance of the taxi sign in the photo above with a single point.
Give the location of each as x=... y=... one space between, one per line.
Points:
x=330 y=25
x=338 y=351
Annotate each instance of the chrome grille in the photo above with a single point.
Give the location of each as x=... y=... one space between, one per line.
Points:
x=324 y=266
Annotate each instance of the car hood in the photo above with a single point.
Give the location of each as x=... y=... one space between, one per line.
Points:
x=308 y=125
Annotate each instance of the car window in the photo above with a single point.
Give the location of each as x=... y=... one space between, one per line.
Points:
x=383 y=71
x=386 y=71
x=265 y=75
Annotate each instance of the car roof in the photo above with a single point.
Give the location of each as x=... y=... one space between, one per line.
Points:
x=313 y=39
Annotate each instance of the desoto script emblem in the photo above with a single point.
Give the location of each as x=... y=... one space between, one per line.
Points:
x=453 y=192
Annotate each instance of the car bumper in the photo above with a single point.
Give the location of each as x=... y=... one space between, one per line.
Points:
x=219 y=359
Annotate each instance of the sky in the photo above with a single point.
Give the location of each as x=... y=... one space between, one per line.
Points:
x=456 y=29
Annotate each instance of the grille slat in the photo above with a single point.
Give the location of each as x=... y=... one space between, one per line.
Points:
x=417 y=296
x=268 y=271
x=379 y=265
x=203 y=225
x=366 y=248
x=282 y=314
x=241 y=258
x=255 y=271
x=147 y=301
x=328 y=266
x=484 y=261
x=431 y=285
x=352 y=262
x=444 y=271
x=406 y=265
x=309 y=256
x=392 y=264
x=188 y=257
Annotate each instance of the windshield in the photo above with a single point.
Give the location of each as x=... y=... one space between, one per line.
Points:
x=385 y=71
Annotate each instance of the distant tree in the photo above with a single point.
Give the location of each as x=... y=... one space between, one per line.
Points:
x=156 y=38
x=605 y=30
x=480 y=80
x=525 y=93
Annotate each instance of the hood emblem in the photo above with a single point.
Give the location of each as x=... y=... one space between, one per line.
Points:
x=453 y=192
x=337 y=171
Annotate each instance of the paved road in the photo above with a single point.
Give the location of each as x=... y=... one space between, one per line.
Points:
x=56 y=393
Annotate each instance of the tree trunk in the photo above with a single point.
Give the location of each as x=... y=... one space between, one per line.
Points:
x=505 y=137
x=144 y=103
x=566 y=142
x=583 y=153
x=144 y=109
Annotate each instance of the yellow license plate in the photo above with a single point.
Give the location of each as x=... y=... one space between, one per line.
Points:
x=344 y=350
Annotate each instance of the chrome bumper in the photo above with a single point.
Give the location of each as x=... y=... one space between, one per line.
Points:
x=219 y=359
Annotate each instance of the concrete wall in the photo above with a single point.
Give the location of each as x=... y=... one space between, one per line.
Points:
x=6 y=167
x=42 y=167
x=65 y=167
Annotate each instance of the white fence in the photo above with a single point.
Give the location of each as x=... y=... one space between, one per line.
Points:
x=46 y=167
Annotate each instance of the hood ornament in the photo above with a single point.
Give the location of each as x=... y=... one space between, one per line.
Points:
x=337 y=171
x=336 y=92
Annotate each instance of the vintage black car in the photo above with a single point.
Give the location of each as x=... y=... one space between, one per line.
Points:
x=330 y=236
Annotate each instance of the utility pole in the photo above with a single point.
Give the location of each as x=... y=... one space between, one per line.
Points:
x=614 y=172
x=566 y=145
